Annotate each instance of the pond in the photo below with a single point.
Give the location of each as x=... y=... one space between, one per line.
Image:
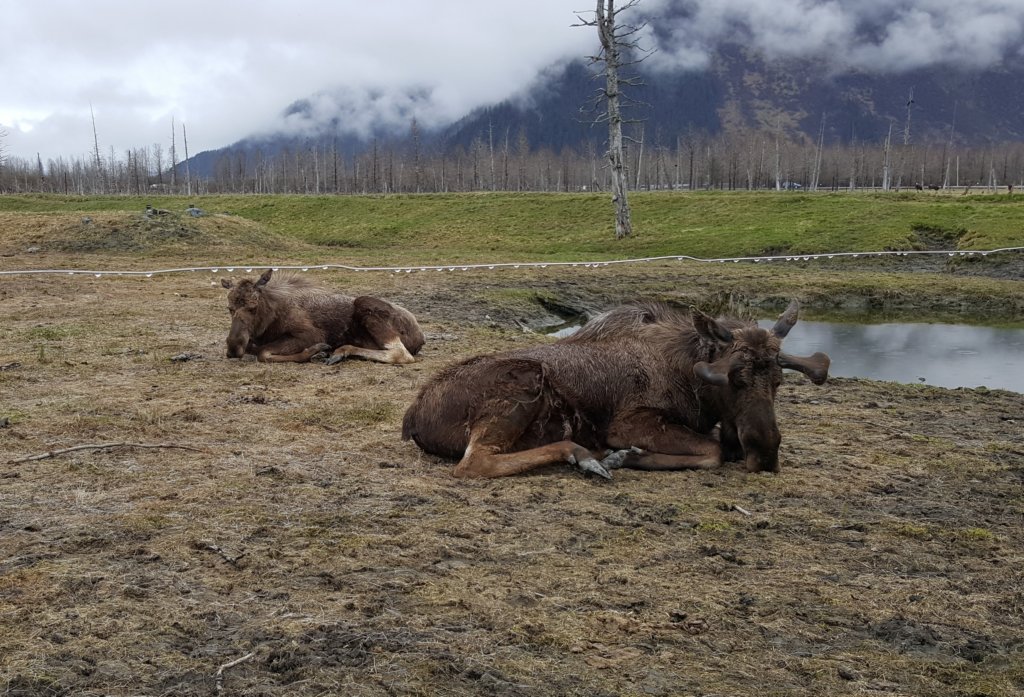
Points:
x=945 y=355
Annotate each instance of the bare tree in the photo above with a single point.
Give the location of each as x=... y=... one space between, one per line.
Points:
x=948 y=150
x=887 y=162
x=3 y=158
x=174 y=157
x=158 y=163
x=816 y=171
x=906 y=142
x=96 y=151
x=417 y=155
x=188 y=176
x=617 y=43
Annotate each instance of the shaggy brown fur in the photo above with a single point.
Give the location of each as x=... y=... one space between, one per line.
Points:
x=647 y=380
x=287 y=318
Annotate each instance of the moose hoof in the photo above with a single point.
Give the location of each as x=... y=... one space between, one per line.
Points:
x=589 y=464
x=336 y=358
x=617 y=458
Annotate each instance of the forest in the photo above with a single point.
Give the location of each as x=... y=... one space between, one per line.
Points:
x=695 y=160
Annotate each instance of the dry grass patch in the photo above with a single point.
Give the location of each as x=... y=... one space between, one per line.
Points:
x=884 y=559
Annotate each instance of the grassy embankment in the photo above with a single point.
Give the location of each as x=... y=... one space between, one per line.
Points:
x=570 y=227
x=501 y=227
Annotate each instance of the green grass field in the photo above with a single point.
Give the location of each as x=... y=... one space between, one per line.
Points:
x=570 y=227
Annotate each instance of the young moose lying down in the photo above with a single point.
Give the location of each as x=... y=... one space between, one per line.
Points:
x=647 y=381
x=287 y=318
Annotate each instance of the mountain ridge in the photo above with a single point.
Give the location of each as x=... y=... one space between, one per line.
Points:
x=740 y=91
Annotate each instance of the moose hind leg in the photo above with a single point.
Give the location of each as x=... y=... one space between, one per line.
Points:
x=379 y=338
x=515 y=405
x=394 y=351
x=487 y=460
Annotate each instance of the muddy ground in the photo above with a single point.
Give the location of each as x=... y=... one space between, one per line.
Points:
x=262 y=530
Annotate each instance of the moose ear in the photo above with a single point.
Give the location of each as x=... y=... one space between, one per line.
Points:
x=709 y=328
x=265 y=277
x=227 y=283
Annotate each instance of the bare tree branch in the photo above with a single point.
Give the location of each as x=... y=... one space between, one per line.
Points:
x=102 y=446
x=219 y=676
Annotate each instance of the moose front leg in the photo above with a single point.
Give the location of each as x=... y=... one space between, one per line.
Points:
x=289 y=350
x=655 y=443
x=732 y=450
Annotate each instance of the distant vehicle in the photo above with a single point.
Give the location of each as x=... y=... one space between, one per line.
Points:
x=792 y=186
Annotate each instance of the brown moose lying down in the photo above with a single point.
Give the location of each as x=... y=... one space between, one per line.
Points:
x=286 y=318
x=648 y=382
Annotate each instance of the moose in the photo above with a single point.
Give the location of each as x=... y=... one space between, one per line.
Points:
x=286 y=318
x=645 y=386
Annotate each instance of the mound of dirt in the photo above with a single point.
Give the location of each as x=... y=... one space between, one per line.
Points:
x=156 y=233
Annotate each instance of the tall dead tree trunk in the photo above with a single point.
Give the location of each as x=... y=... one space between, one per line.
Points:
x=611 y=50
x=886 y=162
x=616 y=41
x=97 y=161
x=174 y=159
x=815 y=177
x=188 y=175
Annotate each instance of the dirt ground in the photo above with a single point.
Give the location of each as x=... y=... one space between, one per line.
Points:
x=262 y=530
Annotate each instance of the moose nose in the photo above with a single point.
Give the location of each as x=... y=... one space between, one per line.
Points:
x=761 y=448
x=766 y=461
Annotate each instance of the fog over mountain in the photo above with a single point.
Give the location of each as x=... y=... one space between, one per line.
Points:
x=716 y=64
x=879 y=36
x=361 y=70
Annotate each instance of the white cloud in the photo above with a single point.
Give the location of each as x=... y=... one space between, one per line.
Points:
x=229 y=69
x=877 y=35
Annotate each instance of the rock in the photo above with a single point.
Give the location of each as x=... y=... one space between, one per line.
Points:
x=186 y=356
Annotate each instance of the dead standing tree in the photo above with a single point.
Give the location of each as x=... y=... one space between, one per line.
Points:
x=3 y=134
x=617 y=40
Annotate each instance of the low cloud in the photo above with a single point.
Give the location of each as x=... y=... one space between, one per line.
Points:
x=362 y=111
x=885 y=36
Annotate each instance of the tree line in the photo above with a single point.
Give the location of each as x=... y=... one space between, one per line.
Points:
x=694 y=160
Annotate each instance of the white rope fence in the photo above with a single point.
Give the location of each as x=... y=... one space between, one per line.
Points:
x=249 y=268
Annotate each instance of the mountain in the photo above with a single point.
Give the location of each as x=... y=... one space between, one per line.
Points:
x=739 y=91
x=742 y=91
x=561 y=110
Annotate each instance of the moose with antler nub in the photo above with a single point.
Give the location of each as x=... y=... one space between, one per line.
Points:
x=646 y=386
x=286 y=318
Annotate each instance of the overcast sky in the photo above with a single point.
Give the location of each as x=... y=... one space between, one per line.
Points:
x=228 y=69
